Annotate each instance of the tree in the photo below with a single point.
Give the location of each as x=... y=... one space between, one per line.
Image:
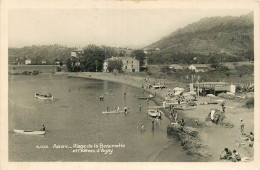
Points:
x=166 y=69
x=92 y=59
x=214 y=62
x=244 y=70
x=115 y=65
x=139 y=55
x=223 y=69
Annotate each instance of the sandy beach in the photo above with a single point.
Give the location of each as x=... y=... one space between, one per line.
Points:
x=213 y=138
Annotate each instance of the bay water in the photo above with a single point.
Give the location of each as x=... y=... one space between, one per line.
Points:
x=76 y=128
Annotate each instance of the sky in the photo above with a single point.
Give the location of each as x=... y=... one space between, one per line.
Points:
x=134 y=28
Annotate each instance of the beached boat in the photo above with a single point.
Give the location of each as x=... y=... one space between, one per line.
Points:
x=40 y=96
x=159 y=107
x=146 y=97
x=181 y=107
x=159 y=86
x=153 y=113
x=29 y=132
x=106 y=112
x=175 y=103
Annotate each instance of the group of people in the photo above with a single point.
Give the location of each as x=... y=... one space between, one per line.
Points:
x=227 y=155
x=235 y=157
x=48 y=95
x=101 y=98
x=117 y=109
x=174 y=114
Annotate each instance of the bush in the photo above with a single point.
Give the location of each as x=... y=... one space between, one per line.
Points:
x=249 y=103
x=166 y=69
x=58 y=69
x=244 y=70
x=149 y=73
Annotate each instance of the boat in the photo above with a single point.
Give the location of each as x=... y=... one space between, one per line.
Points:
x=159 y=86
x=175 y=103
x=159 y=107
x=29 y=132
x=183 y=108
x=153 y=112
x=41 y=96
x=106 y=112
x=148 y=97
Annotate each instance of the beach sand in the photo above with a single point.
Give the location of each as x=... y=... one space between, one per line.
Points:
x=215 y=137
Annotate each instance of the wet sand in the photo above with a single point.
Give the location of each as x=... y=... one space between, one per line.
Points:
x=216 y=137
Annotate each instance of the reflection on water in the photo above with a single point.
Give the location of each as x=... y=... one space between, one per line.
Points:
x=74 y=117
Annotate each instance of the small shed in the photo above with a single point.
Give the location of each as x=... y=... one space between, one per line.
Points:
x=199 y=67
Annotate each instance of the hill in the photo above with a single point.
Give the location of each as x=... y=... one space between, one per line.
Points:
x=229 y=36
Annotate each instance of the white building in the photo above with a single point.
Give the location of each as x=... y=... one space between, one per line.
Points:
x=199 y=67
x=28 y=61
x=129 y=64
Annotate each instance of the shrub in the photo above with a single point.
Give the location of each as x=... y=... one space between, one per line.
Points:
x=249 y=103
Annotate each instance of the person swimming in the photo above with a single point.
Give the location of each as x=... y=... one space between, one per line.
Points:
x=125 y=109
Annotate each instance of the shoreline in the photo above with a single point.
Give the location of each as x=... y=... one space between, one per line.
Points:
x=210 y=138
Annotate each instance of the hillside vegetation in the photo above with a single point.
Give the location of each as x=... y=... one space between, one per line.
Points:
x=229 y=38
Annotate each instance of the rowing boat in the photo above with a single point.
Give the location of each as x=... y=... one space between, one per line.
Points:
x=40 y=96
x=153 y=112
x=113 y=112
x=29 y=132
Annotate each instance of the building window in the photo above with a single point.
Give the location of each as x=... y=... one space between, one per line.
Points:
x=132 y=62
x=132 y=65
x=125 y=67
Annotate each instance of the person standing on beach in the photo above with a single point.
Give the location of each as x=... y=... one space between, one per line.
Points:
x=222 y=104
x=147 y=101
x=171 y=114
x=140 y=107
x=176 y=117
x=142 y=125
x=182 y=122
x=242 y=127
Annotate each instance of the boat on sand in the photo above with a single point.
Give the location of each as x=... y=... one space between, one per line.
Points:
x=106 y=112
x=146 y=97
x=181 y=107
x=29 y=132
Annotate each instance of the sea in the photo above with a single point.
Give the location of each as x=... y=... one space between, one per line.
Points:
x=76 y=128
